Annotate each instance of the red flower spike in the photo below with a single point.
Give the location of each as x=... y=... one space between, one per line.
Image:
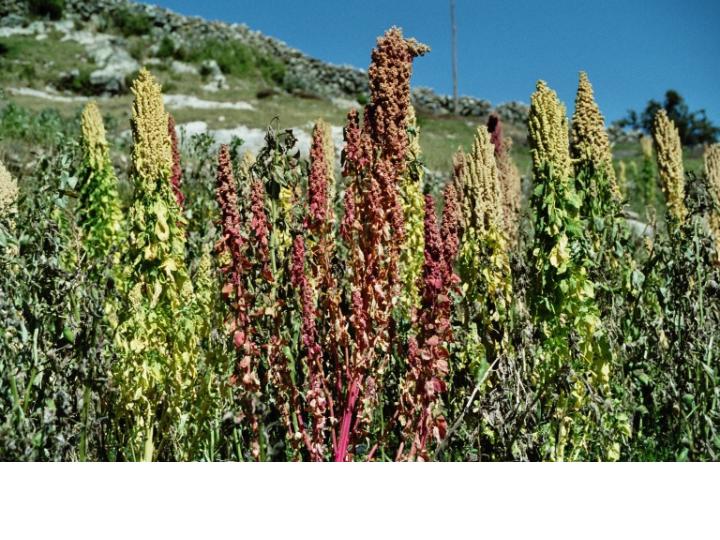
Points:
x=259 y=226
x=317 y=184
x=176 y=173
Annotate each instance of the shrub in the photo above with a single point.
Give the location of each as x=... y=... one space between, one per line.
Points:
x=672 y=361
x=78 y=83
x=138 y=49
x=52 y=9
x=131 y=22
x=166 y=49
x=53 y=392
x=235 y=58
x=45 y=127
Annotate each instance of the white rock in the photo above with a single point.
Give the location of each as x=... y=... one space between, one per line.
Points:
x=254 y=138
x=182 y=67
x=7 y=31
x=36 y=27
x=180 y=101
x=64 y=26
x=345 y=104
x=114 y=60
x=31 y=92
x=189 y=129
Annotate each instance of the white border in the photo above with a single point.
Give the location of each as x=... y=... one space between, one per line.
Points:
x=368 y=501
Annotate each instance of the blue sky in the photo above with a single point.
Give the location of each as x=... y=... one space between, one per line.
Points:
x=632 y=50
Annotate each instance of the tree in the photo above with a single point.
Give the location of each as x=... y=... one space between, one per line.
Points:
x=694 y=127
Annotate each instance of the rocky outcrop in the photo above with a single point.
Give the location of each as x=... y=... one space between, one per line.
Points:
x=108 y=52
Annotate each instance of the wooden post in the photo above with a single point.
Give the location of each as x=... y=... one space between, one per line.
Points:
x=453 y=26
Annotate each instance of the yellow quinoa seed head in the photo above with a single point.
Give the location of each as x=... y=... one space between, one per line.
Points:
x=589 y=140
x=511 y=187
x=93 y=135
x=152 y=154
x=712 y=172
x=712 y=168
x=246 y=162
x=548 y=132
x=646 y=145
x=670 y=165
x=482 y=196
x=8 y=191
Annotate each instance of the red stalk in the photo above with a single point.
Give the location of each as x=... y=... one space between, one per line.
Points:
x=341 y=452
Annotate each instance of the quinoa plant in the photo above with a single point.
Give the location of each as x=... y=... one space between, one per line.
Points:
x=572 y=368
x=672 y=358
x=155 y=338
x=670 y=167
x=8 y=197
x=373 y=230
x=176 y=172
x=589 y=143
x=99 y=213
x=646 y=179
x=428 y=353
x=263 y=318
x=53 y=391
x=509 y=179
x=483 y=262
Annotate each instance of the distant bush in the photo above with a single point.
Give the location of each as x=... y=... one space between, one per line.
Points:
x=271 y=69
x=42 y=127
x=166 y=49
x=77 y=83
x=52 y=9
x=137 y=49
x=3 y=48
x=234 y=58
x=129 y=23
x=694 y=127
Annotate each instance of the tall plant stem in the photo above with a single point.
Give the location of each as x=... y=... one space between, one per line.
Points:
x=344 y=441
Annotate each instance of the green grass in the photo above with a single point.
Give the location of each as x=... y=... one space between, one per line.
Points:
x=630 y=152
x=35 y=64
x=234 y=58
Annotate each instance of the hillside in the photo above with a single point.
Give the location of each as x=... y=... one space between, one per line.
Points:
x=220 y=78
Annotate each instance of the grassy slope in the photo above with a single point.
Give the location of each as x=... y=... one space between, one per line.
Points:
x=28 y=62
x=36 y=64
